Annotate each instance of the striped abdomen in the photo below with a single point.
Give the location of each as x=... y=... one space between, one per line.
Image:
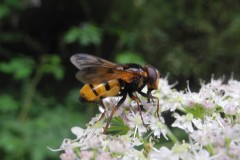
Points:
x=94 y=92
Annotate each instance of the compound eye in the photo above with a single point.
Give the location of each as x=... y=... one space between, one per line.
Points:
x=152 y=74
x=152 y=77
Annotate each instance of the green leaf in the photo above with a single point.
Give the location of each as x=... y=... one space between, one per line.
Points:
x=52 y=65
x=90 y=34
x=8 y=103
x=118 y=127
x=72 y=35
x=20 y=67
x=86 y=34
x=4 y=11
x=9 y=142
x=129 y=57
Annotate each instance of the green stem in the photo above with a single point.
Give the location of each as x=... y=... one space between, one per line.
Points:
x=77 y=151
x=210 y=149
x=171 y=135
x=27 y=100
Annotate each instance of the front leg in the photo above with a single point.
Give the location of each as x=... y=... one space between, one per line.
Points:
x=148 y=95
x=137 y=100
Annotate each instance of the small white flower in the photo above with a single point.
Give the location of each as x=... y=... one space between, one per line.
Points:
x=181 y=150
x=186 y=122
x=134 y=141
x=69 y=153
x=231 y=108
x=118 y=146
x=209 y=134
x=95 y=142
x=150 y=108
x=177 y=152
x=79 y=132
x=232 y=89
x=202 y=155
x=234 y=150
x=165 y=88
x=162 y=154
x=87 y=155
x=216 y=83
x=104 y=156
x=158 y=127
x=110 y=103
x=172 y=102
x=133 y=154
x=135 y=122
x=95 y=120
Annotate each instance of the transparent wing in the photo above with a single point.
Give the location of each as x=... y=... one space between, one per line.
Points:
x=82 y=61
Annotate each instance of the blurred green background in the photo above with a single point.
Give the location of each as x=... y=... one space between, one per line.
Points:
x=185 y=39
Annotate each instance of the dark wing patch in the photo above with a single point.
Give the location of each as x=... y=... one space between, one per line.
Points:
x=98 y=75
x=95 y=70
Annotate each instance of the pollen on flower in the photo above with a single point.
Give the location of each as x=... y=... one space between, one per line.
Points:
x=189 y=117
x=180 y=148
x=137 y=120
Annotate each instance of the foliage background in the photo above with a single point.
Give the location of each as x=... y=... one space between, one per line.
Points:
x=187 y=40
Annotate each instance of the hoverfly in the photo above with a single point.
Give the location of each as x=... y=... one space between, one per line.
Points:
x=103 y=79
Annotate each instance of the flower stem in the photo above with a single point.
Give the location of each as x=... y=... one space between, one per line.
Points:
x=171 y=135
x=28 y=97
x=77 y=151
x=210 y=149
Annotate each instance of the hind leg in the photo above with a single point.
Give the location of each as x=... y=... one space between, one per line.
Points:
x=113 y=111
x=103 y=106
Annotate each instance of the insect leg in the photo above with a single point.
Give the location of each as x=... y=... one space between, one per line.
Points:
x=103 y=114
x=136 y=99
x=113 y=111
x=152 y=97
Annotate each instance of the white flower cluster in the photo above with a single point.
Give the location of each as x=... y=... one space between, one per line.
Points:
x=209 y=123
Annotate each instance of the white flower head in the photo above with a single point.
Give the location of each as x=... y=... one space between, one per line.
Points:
x=215 y=135
x=177 y=152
